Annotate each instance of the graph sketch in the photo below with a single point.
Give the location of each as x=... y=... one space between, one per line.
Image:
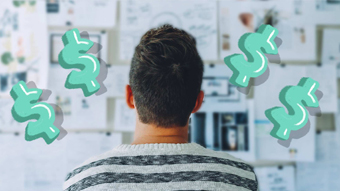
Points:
x=196 y=17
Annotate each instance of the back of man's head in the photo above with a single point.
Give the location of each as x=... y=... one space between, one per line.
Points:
x=166 y=76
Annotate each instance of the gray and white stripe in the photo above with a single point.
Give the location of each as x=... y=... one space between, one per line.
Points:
x=197 y=185
x=210 y=176
x=159 y=160
x=162 y=167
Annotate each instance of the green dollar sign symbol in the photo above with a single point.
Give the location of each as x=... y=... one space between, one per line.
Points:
x=26 y=108
x=295 y=99
x=254 y=45
x=74 y=56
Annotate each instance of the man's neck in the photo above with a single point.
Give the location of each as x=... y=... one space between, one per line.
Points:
x=148 y=133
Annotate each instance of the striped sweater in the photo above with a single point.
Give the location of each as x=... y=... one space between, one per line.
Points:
x=152 y=167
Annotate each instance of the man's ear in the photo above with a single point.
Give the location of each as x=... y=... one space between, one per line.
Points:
x=129 y=97
x=199 y=102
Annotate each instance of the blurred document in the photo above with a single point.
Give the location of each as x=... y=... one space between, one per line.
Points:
x=77 y=111
x=331 y=46
x=219 y=94
x=45 y=165
x=109 y=141
x=215 y=86
x=327 y=5
x=268 y=147
x=117 y=79
x=36 y=166
x=83 y=146
x=235 y=19
x=326 y=75
x=7 y=122
x=327 y=146
x=23 y=44
x=82 y=112
x=198 y=18
x=267 y=96
x=89 y=13
x=317 y=176
x=125 y=118
x=12 y=162
x=240 y=17
x=99 y=49
x=276 y=178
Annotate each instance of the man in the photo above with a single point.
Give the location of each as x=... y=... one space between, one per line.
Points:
x=165 y=88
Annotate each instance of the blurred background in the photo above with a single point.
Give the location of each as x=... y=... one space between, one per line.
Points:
x=231 y=120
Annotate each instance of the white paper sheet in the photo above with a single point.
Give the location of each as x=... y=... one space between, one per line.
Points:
x=237 y=18
x=227 y=95
x=327 y=147
x=196 y=17
x=82 y=146
x=56 y=44
x=276 y=178
x=79 y=112
x=327 y=5
x=12 y=162
x=267 y=96
x=36 y=166
x=331 y=46
x=85 y=113
x=117 y=79
x=231 y=25
x=125 y=118
x=268 y=148
x=317 y=176
x=7 y=122
x=324 y=12
x=45 y=165
x=23 y=44
x=89 y=13
x=326 y=75
x=328 y=143
x=88 y=113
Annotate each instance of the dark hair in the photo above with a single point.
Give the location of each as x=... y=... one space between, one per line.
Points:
x=166 y=76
